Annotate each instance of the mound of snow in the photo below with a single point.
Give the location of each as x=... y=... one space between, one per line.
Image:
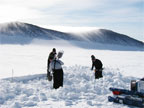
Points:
x=80 y=90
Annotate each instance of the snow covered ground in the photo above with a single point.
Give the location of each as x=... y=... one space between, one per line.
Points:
x=23 y=81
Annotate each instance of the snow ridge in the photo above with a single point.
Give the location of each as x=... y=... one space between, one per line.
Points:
x=80 y=89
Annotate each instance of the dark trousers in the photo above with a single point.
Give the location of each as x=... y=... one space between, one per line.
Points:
x=57 y=78
x=48 y=64
x=98 y=73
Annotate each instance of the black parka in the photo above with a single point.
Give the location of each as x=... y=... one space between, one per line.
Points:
x=97 y=64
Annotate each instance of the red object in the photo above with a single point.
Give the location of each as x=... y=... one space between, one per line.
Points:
x=116 y=92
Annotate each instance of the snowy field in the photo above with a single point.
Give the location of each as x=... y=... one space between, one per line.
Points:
x=23 y=81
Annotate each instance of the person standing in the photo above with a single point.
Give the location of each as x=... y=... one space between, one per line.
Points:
x=50 y=58
x=56 y=69
x=98 y=67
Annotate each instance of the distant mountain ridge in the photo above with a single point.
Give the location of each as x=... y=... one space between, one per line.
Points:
x=111 y=37
x=23 y=33
x=29 y=30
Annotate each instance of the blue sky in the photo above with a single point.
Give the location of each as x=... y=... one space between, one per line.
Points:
x=123 y=16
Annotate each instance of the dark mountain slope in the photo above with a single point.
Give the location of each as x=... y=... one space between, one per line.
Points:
x=24 y=33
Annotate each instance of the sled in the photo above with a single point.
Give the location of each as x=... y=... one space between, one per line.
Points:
x=128 y=97
x=117 y=91
x=127 y=100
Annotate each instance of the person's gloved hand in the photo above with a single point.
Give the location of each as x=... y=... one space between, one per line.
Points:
x=49 y=76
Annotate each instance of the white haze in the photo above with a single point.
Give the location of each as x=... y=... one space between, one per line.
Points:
x=71 y=29
x=32 y=59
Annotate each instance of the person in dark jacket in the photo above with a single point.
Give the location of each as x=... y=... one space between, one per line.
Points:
x=50 y=58
x=56 y=69
x=98 y=67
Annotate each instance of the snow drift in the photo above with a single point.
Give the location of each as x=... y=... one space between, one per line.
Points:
x=80 y=90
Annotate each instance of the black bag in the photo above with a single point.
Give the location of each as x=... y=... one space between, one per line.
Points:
x=49 y=76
